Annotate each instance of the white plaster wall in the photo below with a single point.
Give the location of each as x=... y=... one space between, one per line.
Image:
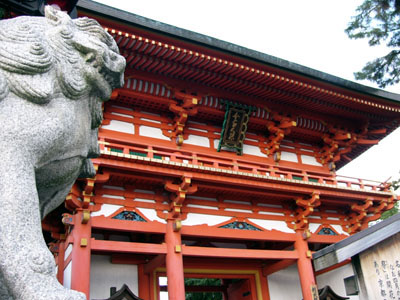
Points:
x=339 y=229
x=104 y=274
x=197 y=140
x=152 y=132
x=270 y=224
x=106 y=210
x=68 y=251
x=122 y=115
x=67 y=275
x=309 y=160
x=253 y=150
x=216 y=143
x=120 y=126
x=113 y=196
x=313 y=227
x=285 y=284
x=335 y=280
x=199 y=219
x=151 y=214
x=289 y=156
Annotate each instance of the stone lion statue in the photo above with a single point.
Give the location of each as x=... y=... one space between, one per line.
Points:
x=54 y=74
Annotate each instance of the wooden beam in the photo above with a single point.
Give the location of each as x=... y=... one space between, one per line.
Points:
x=199 y=288
x=213 y=232
x=238 y=253
x=326 y=239
x=127 y=247
x=102 y=222
x=153 y=264
x=275 y=267
x=239 y=181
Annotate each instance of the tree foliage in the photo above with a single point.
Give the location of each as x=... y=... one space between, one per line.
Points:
x=395 y=184
x=378 y=21
x=203 y=295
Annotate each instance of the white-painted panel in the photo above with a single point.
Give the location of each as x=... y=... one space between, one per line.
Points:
x=151 y=214
x=106 y=210
x=121 y=115
x=253 y=150
x=198 y=129
x=335 y=278
x=313 y=227
x=289 y=156
x=198 y=140
x=202 y=206
x=199 y=219
x=104 y=275
x=309 y=160
x=285 y=284
x=152 y=132
x=216 y=143
x=286 y=146
x=120 y=126
x=339 y=229
x=145 y=200
x=271 y=213
x=239 y=210
x=113 y=196
x=272 y=224
x=68 y=251
x=151 y=120
x=67 y=275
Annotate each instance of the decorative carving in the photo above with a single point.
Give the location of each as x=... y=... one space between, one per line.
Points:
x=129 y=216
x=326 y=231
x=182 y=111
x=339 y=142
x=240 y=226
x=54 y=75
x=278 y=127
x=362 y=214
x=178 y=195
x=304 y=207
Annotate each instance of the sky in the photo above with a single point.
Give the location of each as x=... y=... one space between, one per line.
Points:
x=307 y=32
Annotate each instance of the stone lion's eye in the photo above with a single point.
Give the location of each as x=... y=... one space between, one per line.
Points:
x=113 y=57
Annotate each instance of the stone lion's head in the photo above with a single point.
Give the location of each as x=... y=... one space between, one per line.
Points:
x=45 y=58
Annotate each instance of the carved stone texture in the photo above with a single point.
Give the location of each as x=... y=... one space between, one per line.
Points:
x=54 y=74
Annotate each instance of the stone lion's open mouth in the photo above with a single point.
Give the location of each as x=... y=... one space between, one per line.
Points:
x=112 y=78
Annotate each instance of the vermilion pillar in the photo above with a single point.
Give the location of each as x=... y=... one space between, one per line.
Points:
x=80 y=279
x=174 y=263
x=60 y=264
x=304 y=265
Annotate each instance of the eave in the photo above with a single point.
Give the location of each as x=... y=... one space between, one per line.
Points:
x=356 y=243
x=147 y=24
x=207 y=67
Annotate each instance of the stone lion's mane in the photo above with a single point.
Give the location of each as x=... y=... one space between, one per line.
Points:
x=35 y=69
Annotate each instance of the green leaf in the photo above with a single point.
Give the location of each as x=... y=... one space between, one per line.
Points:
x=378 y=21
